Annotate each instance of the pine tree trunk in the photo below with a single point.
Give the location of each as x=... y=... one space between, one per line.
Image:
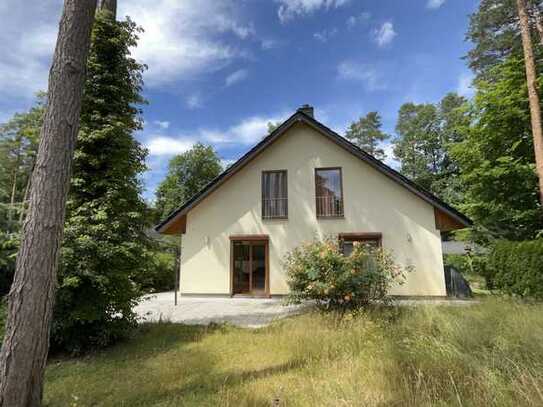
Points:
x=531 y=77
x=30 y=301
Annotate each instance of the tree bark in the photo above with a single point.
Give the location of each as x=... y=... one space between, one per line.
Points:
x=109 y=5
x=25 y=196
x=531 y=78
x=31 y=298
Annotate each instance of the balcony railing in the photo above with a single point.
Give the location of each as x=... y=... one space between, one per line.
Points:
x=276 y=208
x=329 y=206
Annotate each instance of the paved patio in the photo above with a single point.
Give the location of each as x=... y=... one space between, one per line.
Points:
x=243 y=312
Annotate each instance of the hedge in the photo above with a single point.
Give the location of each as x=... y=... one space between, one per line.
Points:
x=516 y=268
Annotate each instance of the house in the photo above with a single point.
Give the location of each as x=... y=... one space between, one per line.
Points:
x=300 y=182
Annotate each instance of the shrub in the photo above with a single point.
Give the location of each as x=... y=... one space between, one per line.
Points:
x=160 y=273
x=319 y=271
x=461 y=262
x=516 y=268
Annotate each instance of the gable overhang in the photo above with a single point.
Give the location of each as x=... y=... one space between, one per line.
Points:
x=446 y=217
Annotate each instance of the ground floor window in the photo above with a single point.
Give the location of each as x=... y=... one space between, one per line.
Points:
x=348 y=241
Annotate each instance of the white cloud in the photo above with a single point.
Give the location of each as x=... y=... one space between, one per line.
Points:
x=28 y=36
x=194 y=101
x=164 y=145
x=162 y=124
x=390 y=160
x=325 y=34
x=248 y=131
x=385 y=34
x=353 y=21
x=181 y=39
x=361 y=72
x=186 y=38
x=290 y=9
x=236 y=76
x=227 y=162
x=267 y=44
x=464 y=87
x=435 y=4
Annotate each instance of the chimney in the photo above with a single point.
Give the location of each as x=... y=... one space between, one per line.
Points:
x=308 y=110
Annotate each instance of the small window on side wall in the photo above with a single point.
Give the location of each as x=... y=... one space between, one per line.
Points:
x=329 y=192
x=274 y=195
x=349 y=241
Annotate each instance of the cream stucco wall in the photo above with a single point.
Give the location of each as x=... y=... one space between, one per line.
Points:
x=372 y=203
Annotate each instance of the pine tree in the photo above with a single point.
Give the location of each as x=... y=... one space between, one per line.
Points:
x=533 y=94
x=366 y=133
x=105 y=245
x=30 y=305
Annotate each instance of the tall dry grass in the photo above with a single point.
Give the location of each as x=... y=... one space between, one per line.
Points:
x=484 y=355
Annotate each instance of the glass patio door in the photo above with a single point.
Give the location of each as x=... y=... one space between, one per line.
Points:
x=249 y=267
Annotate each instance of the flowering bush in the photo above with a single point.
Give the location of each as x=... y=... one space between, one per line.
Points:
x=320 y=272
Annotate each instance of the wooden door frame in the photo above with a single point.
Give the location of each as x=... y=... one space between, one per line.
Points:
x=251 y=238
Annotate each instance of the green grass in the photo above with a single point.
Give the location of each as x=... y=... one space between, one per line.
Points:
x=485 y=355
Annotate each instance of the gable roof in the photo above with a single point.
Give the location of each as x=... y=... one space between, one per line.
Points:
x=177 y=218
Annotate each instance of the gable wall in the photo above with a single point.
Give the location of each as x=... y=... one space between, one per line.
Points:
x=372 y=203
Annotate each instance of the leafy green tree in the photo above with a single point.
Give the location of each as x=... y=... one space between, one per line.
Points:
x=18 y=148
x=105 y=245
x=425 y=134
x=419 y=147
x=187 y=174
x=272 y=126
x=496 y=156
x=455 y=119
x=366 y=133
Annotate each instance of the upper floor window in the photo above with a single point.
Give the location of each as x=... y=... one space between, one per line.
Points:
x=329 y=192
x=274 y=194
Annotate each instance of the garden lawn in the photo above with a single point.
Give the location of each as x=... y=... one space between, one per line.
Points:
x=483 y=355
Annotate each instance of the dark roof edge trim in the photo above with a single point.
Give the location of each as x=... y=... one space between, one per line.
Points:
x=352 y=148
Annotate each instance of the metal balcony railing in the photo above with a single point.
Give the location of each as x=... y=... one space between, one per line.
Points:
x=329 y=206
x=275 y=208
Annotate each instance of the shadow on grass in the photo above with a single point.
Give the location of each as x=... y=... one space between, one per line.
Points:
x=164 y=364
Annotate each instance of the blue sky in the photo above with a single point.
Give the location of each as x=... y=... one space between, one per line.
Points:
x=220 y=70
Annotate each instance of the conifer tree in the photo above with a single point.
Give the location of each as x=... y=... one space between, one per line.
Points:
x=366 y=133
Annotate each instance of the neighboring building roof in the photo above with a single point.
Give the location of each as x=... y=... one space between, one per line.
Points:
x=176 y=221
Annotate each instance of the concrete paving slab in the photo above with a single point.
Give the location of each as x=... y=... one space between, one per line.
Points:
x=242 y=312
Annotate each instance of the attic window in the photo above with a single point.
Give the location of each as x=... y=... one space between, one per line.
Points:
x=274 y=195
x=329 y=192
